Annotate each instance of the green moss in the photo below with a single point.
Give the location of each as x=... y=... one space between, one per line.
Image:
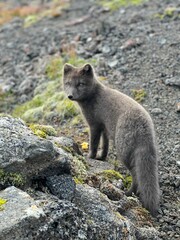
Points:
x=127 y=181
x=8 y=178
x=30 y=20
x=2 y=202
x=54 y=68
x=67 y=108
x=169 y=12
x=139 y=94
x=79 y=168
x=76 y=120
x=43 y=130
x=111 y=175
x=119 y=216
x=78 y=180
x=116 y=4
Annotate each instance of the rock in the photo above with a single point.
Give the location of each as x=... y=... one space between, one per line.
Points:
x=113 y=63
x=178 y=107
x=24 y=152
x=19 y=216
x=174 y=81
x=131 y=43
x=111 y=191
x=26 y=86
x=66 y=143
x=104 y=223
x=147 y=234
x=62 y=186
x=156 y=111
x=106 y=49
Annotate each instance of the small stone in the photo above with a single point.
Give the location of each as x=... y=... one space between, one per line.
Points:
x=174 y=81
x=106 y=49
x=113 y=63
x=156 y=111
x=131 y=43
x=178 y=223
x=178 y=163
x=178 y=107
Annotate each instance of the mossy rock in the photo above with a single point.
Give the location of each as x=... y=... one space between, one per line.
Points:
x=11 y=179
x=139 y=94
x=79 y=168
x=43 y=130
x=2 y=202
x=111 y=175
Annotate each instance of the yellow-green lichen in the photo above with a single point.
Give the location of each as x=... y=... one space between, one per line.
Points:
x=78 y=180
x=9 y=178
x=119 y=216
x=30 y=20
x=116 y=4
x=54 y=68
x=43 y=130
x=111 y=175
x=169 y=12
x=79 y=168
x=127 y=181
x=2 y=202
x=139 y=94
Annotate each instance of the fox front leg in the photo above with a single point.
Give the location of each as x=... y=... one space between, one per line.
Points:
x=105 y=147
x=95 y=134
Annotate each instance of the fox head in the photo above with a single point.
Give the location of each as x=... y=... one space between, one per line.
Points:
x=78 y=82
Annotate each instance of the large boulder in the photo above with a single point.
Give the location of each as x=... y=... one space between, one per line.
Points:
x=21 y=151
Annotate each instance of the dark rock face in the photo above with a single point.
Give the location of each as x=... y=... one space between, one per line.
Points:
x=23 y=152
x=62 y=186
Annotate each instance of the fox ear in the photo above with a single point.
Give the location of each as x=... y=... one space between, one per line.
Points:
x=67 y=68
x=87 y=68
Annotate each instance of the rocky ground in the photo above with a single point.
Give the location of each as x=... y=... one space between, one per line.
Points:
x=133 y=48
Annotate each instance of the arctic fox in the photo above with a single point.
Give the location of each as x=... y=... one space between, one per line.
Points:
x=111 y=114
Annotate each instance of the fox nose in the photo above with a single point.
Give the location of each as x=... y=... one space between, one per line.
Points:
x=70 y=97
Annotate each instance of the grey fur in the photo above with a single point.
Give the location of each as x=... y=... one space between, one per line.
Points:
x=111 y=114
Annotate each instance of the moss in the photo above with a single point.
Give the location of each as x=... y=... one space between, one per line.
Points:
x=116 y=4
x=48 y=130
x=169 y=12
x=43 y=130
x=77 y=120
x=30 y=20
x=5 y=115
x=78 y=180
x=67 y=108
x=54 y=68
x=111 y=175
x=127 y=181
x=139 y=94
x=79 y=168
x=119 y=216
x=2 y=202
x=8 y=178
